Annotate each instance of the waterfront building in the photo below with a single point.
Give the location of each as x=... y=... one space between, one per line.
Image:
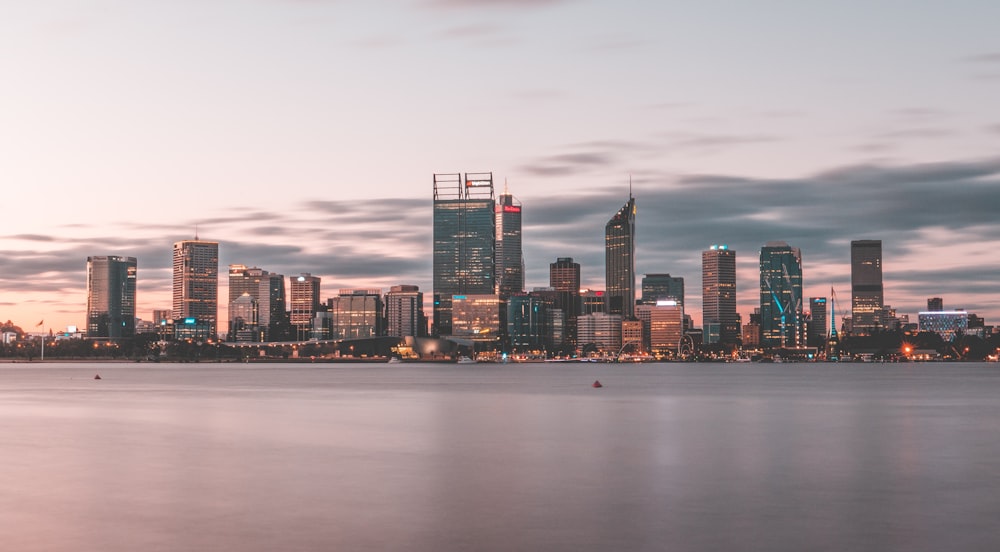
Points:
x=632 y=341
x=405 y=312
x=818 y=326
x=509 y=258
x=244 y=319
x=244 y=281
x=555 y=318
x=947 y=324
x=781 y=320
x=477 y=318
x=111 y=296
x=661 y=287
x=196 y=284
x=464 y=242
x=619 y=261
x=527 y=322
x=356 y=313
x=272 y=308
x=564 y=278
x=718 y=295
x=599 y=331
x=304 y=303
x=866 y=285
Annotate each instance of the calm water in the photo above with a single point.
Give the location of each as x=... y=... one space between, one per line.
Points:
x=499 y=457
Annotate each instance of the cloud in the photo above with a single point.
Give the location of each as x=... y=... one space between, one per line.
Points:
x=989 y=57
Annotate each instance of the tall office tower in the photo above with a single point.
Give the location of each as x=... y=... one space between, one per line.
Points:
x=718 y=292
x=305 y=303
x=819 y=326
x=619 y=261
x=527 y=322
x=866 y=285
x=244 y=281
x=781 y=296
x=404 y=306
x=111 y=296
x=244 y=319
x=509 y=259
x=464 y=241
x=555 y=318
x=564 y=278
x=661 y=287
x=272 y=307
x=935 y=304
x=196 y=283
x=356 y=313
x=662 y=325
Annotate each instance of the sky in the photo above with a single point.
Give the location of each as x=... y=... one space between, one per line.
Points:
x=303 y=135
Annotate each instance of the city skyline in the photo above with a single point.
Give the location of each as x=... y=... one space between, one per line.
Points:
x=267 y=146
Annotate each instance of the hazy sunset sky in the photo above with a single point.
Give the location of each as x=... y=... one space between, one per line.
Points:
x=302 y=136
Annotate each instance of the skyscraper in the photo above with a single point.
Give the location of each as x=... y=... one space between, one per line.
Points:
x=718 y=292
x=564 y=278
x=196 y=282
x=464 y=241
x=244 y=281
x=661 y=287
x=818 y=327
x=305 y=303
x=356 y=313
x=866 y=285
x=781 y=295
x=509 y=259
x=619 y=261
x=404 y=307
x=111 y=296
x=272 y=307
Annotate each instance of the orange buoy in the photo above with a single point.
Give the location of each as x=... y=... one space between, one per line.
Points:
x=97 y=376
x=597 y=383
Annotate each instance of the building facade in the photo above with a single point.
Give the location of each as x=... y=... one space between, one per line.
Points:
x=866 y=285
x=464 y=242
x=304 y=304
x=599 y=332
x=564 y=278
x=619 y=261
x=509 y=257
x=404 y=306
x=196 y=283
x=662 y=287
x=477 y=318
x=356 y=313
x=718 y=293
x=818 y=325
x=528 y=323
x=781 y=321
x=111 y=296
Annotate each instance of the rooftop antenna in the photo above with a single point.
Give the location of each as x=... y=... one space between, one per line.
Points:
x=195 y=232
x=505 y=192
x=630 y=185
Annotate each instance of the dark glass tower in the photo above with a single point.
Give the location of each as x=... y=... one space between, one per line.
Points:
x=111 y=296
x=619 y=261
x=196 y=282
x=781 y=296
x=718 y=292
x=660 y=287
x=564 y=278
x=866 y=285
x=509 y=259
x=464 y=241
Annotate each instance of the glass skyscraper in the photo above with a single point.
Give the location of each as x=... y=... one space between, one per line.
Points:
x=196 y=282
x=781 y=296
x=718 y=292
x=866 y=285
x=619 y=261
x=564 y=278
x=509 y=259
x=464 y=242
x=111 y=296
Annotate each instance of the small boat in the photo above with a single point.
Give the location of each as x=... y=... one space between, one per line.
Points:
x=394 y=360
x=465 y=360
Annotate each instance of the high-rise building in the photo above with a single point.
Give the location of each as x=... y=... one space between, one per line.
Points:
x=477 y=318
x=866 y=285
x=404 y=307
x=619 y=261
x=111 y=296
x=244 y=281
x=356 y=313
x=464 y=242
x=509 y=259
x=304 y=303
x=781 y=296
x=718 y=293
x=947 y=324
x=591 y=301
x=272 y=308
x=244 y=319
x=935 y=304
x=564 y=278
x=662 y=287
x=527 y=322
x=196 y=283
x=663 y=325
x=818 y=326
